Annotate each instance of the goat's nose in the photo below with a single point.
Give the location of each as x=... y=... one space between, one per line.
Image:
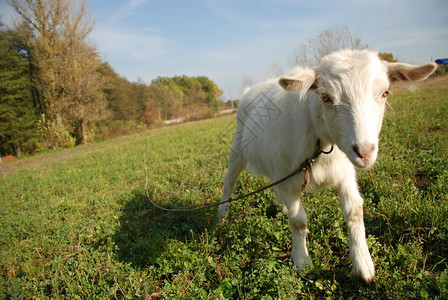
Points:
x=364 y=151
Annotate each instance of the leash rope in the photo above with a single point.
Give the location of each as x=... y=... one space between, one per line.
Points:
x=304 y=167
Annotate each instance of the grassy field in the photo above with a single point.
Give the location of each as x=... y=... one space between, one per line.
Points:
x=76 y=224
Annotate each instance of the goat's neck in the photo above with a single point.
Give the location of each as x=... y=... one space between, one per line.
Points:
x=318 y=121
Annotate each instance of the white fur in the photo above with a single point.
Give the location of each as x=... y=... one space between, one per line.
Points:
x=280 y=121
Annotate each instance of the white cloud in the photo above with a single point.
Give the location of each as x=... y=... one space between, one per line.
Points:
x=136 y=3
x=131 y=45
x=414 y=38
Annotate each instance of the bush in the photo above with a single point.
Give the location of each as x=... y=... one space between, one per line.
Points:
x=114 y=128
x=202 y=114
x=53 y=134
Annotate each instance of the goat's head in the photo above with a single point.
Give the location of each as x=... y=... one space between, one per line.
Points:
x=352 y=87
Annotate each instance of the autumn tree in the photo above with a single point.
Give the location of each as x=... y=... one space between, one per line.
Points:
x=326 y=42
x=387 y=56
x=211 y=90
x=139 y=92
x=126 y=100
x=151 y=113
x=184 y=96
x=168 y=97
x=66 y=76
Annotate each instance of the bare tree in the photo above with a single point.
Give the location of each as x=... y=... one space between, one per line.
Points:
x=66 y=65
x=327 y=41
x=276 y=69
x=246 y=83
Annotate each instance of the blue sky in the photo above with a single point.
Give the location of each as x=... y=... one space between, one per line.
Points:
x=229 y=40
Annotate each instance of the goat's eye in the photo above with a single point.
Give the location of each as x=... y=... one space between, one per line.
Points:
x=326 y=98
x=385 y=94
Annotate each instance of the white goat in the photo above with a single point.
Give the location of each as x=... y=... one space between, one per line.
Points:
x=341 y=102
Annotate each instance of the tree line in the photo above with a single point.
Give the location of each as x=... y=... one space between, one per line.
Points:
x=55 y=91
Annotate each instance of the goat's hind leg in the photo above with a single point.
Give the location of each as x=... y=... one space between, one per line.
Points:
x=236 y=165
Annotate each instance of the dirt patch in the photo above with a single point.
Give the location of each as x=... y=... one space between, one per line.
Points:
x=7 y=158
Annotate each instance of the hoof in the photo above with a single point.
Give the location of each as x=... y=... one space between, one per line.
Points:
x=369 y=281
x=303 y=264
x=223 y=211
x=365 y=270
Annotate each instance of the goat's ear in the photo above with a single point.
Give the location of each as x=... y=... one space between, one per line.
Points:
x=300 y=83
x=405 y=72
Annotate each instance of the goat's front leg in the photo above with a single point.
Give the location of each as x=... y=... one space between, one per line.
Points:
x=352 y=206
x=298 y=222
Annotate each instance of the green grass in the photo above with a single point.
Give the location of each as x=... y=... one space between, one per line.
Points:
x=81 y=226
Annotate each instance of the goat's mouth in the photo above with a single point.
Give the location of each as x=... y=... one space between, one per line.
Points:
x=362 y=164
x=363 y=155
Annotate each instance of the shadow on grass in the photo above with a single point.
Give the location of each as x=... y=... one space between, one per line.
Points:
x=145 y=230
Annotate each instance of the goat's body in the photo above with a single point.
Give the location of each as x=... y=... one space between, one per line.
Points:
x=268 y=110
x=292 y=129
x=279 y=125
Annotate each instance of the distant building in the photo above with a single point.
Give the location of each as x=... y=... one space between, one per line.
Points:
x=443 y=66
x=441 y=61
